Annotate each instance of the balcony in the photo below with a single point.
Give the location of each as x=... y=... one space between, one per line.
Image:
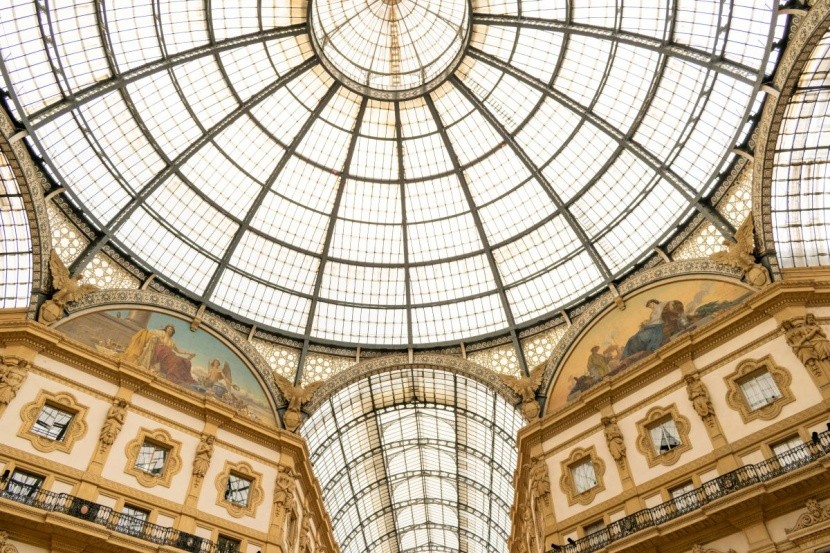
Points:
x=105 y=516
x=710 y=491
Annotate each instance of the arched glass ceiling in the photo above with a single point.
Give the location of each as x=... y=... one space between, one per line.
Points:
x=801 y=177
x=217 y=150
x=15 y=242
x=416 y=459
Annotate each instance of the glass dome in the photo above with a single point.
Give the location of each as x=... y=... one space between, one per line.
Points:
x=404 y=174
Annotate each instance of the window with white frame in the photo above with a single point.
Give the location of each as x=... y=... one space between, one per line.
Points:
x=52 y=422
x=664 y=436
x=584 y=476
x=759 y=389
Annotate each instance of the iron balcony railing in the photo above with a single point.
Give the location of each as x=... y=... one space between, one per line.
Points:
x=721 y=486
x=105 y=516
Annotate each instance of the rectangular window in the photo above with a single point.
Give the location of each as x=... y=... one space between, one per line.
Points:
x=52 y=423
x=759 y=389
x=682 y=498
x=224 y=544
x=584 y=476
x=594 y=527
x=664 y=436
x=151 y=458
x=238 y=489
x=24 y=484
x=132 y=520
x=787 y=454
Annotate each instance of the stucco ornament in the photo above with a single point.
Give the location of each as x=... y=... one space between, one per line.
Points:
x=613 y=436
x=526 y=388
x=740 y=253
x=6 y=547
x=12 y=374
x=297 y=396
x=204 y=451
x=66 y=289
x=814 y=514
x=699 y=396
x=809 y=343
x=113 y=423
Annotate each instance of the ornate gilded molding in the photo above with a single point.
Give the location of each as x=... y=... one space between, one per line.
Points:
x=255 y=492
x=697 y=548
x=814 y=514
x=566 y=482
x=748 y=368
x=172 y=462
x=63 y=401
x=645 y=444
x=693 y=268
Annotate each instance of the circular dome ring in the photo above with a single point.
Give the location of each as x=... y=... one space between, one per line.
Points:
x=427 y=67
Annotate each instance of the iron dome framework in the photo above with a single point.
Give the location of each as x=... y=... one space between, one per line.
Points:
x=209 y=142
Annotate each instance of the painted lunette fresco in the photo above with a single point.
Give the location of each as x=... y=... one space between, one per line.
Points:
x=195 y=360
x=652 y=318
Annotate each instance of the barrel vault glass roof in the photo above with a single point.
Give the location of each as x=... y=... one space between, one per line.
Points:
x=210 y=143
x=416 y=459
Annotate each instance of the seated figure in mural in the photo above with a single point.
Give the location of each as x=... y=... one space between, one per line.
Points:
x=155 y=349
x=666 y=319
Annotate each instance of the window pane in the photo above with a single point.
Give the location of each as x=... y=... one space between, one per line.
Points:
x=24 y=484
x=225 y=544
x=52 y=423
x=132 y=520
x=237 y=490
x=760 y=389
x=584 y=476
x=664 y=436
x=151 y=458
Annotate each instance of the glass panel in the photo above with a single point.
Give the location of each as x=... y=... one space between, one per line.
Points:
x=238 y=489
x=24 y=484
x=132 y=520
x=584 y=476
x=52 y=423
x=760 y=389
x=664 y=436
x=151 y=458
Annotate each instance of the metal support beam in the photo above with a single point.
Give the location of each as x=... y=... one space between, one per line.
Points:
x=272 y=178
x=485 y=241
x=684 y=188
x=120 y=81
x=702 y=58
x=324 y=257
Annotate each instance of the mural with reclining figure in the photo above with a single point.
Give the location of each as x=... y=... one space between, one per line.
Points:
x=652 y=317
x=196 y=360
